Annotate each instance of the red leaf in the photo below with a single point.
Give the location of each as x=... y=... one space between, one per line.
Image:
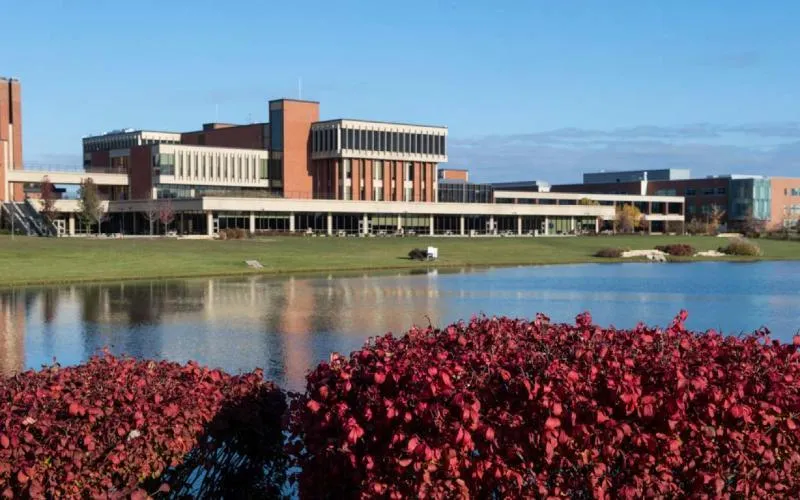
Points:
x=22 y=478
x=380 y=377
x=412 y=444
x=4 y=442
x=313 y=406
x=74 y=408
x=552 y=423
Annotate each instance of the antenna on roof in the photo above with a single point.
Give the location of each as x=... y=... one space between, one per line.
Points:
x=300 y=88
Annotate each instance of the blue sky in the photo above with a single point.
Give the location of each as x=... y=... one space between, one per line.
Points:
x=529 y=89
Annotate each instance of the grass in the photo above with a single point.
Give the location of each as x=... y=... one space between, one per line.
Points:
x=26 y=261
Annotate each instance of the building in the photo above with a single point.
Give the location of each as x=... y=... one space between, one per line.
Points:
x=10 y=137
x=666 y=174
x=741 y=198
x=297 y=173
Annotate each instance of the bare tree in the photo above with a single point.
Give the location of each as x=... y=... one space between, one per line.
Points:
x=48 y=196
x=166 y=215
x=715 y=218
x=151 y=213
x=752 y=225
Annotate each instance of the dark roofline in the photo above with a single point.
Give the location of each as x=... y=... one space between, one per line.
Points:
x=137 y=131
x=291 y=100
x=381 y=122
x=455 y=169
x=224 y=128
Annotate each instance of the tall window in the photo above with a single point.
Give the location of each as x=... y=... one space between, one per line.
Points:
x=263 y=168
x=409 y=171
x=377 y=170
x=348 y=168
x=407 y=194
x=377 y=193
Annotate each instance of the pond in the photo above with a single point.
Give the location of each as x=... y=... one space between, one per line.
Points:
x=286 y=325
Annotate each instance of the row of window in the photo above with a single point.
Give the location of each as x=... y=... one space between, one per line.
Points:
x=705 y=191
x=247 y=168
x=377 y=170
x=791 y=192
x=121 y=143
x=324 y=140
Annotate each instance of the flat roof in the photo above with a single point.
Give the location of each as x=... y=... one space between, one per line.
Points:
x=381 y=122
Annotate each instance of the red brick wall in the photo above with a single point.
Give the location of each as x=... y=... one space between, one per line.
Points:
x=240 y=136
x=140 y=175
x=100 y=159
x=4 y=110
x=430 y=178
x=387 y=180
x=368 y=180
x=10 y=114
x=451 y=174
x=355 y=165
x=398 y=188
x=782 y=197
x=16 y=117
x=297 y=119
x=415 y=195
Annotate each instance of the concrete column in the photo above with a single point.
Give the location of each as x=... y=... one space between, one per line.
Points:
x=291 y=222
x=71 y=225
x=572 y=223
x=330 y=224
x=546 y=226
x=399 y=222
x=252 y=222
x=462 y=232
x=649 y=227
x=491 y=224
x=365 y=224
x=597 y=225
x=431 y=226
x=519 y=225
x=210 y=223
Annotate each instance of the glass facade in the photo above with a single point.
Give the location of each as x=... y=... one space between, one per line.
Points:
x=379 y=140
x=276 y=129
x=464 y=192
x=750 y=197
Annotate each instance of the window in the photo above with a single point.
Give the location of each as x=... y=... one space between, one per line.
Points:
x=370 y=140
x=377 y=170
x=708 y=191
x=377 y=193
x=348 y=169
x=408 y=174
x=356 y=139
x=442 y=147
x=720 y=190
x=407 y=194
x=263 y=168
x=691 y=191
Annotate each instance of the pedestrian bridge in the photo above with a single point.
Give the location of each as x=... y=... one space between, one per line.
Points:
x=68 y=177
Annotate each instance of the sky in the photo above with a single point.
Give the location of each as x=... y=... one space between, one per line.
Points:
x=530 y=89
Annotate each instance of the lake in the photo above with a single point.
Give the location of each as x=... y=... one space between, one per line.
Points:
x=287 y=325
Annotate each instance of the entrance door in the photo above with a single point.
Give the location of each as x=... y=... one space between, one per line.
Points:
x=61 y=227
x=216 y=225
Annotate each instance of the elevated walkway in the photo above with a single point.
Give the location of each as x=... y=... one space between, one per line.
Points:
x=68 y=177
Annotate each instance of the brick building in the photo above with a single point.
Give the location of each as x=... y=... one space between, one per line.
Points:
x=10 y=137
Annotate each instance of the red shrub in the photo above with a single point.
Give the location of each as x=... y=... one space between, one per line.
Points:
x=507 y=408
x=111 y=426
x=678 y=249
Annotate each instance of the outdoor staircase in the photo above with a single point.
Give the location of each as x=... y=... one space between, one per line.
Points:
x=24 y=217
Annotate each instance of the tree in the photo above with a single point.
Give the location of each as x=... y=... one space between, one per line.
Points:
x=696 y=227
x=588 y=201
x=90 y=209
x=751 y=225
x=166 y=215
x=48 y=196
x=151 y=213
x=628 y=218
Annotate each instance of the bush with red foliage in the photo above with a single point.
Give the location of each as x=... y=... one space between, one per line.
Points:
x=677 y=249
x=114 y=427
x=501 y=408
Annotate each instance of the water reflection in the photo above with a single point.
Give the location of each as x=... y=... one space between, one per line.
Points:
x=287 y=325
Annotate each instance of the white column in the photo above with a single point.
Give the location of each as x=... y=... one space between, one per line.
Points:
x=252 y=222
x=210 y=223
x=462 y=226
x=546 y=225
x=597 y=225
x=330 y=224
x=291 y=222
x=71 y=224
x=491 y=224
x=519 y=225
x=431 y=226
x=572 y=223
x=365 y=224
x=399 y=222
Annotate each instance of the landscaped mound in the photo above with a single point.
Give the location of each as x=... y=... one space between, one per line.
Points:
x=741 y=247
x=677 y=250
x=502 y=408
x=610 y=253
x=116 y=427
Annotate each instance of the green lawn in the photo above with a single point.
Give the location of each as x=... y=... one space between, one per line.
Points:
x=49 y=260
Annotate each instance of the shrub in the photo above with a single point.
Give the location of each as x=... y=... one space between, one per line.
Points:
x=418 y=254
x=502 y=408
x=113 y=426
x=742 y=247
x=610 y=253
x=677 y=250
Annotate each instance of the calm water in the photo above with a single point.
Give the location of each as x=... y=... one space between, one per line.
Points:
x=287 y=325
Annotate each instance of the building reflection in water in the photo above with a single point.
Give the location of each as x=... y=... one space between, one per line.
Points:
x=284 y=326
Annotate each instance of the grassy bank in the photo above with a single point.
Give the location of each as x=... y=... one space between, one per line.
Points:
x=50 y=260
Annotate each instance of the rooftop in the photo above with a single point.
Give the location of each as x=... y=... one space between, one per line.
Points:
x=381 y=122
